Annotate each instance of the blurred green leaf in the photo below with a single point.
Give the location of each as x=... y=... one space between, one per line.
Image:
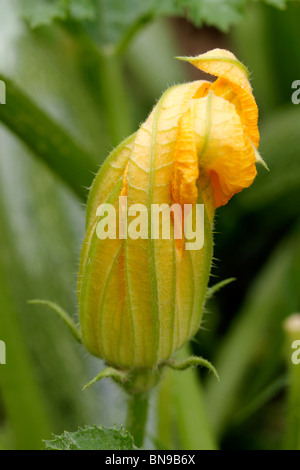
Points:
x=280 y=147
x=259 y=401
x=119 y=20
x=44 y=12
x=93 y=438
x=277 y=3
x=117 y=17
x=219 y=13
x=41 y=231
x=25 y=411
x=45 y=222
x=255 y=337
x=182 y=416
x=277 y=64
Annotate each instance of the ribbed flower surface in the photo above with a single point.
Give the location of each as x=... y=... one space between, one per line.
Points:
x=140 y=300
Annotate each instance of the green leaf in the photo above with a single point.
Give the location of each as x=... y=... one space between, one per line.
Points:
x=93 y=438
x=277 y=3
x=280 y=140
x=119 y=20
x=82 y=10
x=260 y=400
x=41 y=234
x=182 y=420
x=255 y=329
x=219 y=13
x=21 y=395
x=44 y=12
x=26 y=411
x=117 y=17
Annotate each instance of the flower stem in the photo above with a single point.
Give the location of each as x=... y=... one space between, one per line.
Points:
x=107 y=86
x=137 y=413
x=115 y=97
x=131 y=33
x=47 y=139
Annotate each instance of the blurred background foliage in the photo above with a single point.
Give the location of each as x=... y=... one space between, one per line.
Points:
x=81 y=75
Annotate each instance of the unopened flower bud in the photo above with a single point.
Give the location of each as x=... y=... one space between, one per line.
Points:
x=146 y=258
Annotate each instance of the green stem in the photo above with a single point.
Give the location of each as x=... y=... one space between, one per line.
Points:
x=137 y=413
x=47 y=139
x=107 y=84
x=132 y=32
x=115 y=99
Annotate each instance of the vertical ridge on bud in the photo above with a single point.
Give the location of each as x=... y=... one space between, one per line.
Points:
x=106 y=188
x=186 y=172
x=97 y=260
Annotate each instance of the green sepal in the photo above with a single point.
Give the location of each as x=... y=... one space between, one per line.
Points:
x=67 y=319
x=214 y=289
x=192 y=361
x=117 y=375
x=259 y=158
x=139 y=381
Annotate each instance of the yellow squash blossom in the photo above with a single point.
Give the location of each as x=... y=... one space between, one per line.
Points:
x=140 y=300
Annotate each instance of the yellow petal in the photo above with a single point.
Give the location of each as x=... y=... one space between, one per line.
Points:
x=185 y=168
x=184 y=187
x=151 y=271
x=224 y=152
x=225 y=65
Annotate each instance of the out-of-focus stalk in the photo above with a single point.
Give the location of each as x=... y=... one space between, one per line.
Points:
x=292 y=331
x=182 y=416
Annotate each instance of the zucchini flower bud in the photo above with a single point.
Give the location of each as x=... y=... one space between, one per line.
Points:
x=144 y=275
